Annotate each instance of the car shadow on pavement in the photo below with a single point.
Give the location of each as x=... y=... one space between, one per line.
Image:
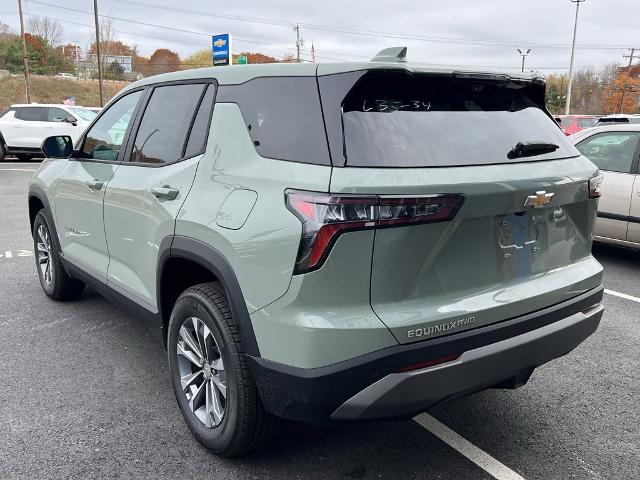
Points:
x=616 y=255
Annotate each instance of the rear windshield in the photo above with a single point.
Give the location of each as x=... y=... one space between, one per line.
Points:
x=403 y=120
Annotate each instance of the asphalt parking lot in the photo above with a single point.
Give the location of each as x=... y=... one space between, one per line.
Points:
x=85 y=393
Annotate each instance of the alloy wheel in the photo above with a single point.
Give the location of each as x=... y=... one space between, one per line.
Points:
x=44 y=255
x=202 y=374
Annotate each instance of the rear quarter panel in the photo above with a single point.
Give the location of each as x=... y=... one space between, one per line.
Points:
x=263 y=247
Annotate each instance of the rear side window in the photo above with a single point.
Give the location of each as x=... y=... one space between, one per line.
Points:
x=32 y=114
x=283 y=117
x=200 y=129
x=396 y=119
x=165 y=123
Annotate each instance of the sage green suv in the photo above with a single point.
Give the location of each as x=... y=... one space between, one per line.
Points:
x=327 y=243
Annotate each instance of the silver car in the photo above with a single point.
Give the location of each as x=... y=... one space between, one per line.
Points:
x=615 y=149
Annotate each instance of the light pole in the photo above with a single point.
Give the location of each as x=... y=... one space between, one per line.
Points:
x=25 y=61
x=573 y=51
x=524 y=55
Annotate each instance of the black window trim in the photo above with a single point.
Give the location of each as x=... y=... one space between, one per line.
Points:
x=123 y=159
x=635 y=164
x=130 y=135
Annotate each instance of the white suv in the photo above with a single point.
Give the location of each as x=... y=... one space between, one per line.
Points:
x=24 y=127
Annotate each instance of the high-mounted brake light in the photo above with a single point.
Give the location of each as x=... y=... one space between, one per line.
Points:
x=325 y=217
x=595 y=186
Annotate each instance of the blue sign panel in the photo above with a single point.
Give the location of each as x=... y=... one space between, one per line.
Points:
x=221 y=49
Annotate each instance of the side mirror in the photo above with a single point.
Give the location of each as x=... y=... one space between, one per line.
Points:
x=71 y=120
x=60 y=146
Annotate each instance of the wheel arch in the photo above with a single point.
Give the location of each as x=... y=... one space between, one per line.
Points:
x=201 y=262
x=38 y=201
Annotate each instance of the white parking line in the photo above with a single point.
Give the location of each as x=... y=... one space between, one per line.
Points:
x=622 y=295
x=17 y=169
x=481 y=458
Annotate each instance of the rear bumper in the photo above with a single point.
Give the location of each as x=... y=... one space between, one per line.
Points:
x=370 y=387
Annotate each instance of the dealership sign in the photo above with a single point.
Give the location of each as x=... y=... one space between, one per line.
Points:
x=221 y=49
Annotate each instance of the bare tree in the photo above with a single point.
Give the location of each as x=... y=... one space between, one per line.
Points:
x=46 y=28
x=4 y=30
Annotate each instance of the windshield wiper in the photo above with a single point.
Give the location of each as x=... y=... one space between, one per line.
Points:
x=531 y=149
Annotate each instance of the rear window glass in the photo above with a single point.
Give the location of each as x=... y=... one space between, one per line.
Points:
x=402 y=120
x=283 y=117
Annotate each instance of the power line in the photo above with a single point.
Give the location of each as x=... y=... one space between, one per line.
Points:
x=365 y=32
x=330 y=55
x=312 y=26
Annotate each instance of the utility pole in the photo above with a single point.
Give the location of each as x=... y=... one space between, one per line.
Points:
x=95 y=15
x=631 y=56
x=573 y=51
x=27 y=90
x=298 y=41
x=524 y=55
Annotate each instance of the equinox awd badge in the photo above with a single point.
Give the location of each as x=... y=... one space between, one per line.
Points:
x=443 y=327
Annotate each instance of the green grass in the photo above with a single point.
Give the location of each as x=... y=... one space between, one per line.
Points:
x=55 y=90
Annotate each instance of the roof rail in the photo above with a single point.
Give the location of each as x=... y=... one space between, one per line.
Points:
x=391 y=54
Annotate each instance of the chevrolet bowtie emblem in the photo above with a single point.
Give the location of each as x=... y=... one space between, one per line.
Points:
x=540 y=199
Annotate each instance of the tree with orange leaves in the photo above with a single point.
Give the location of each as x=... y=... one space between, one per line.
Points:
x=622 y=96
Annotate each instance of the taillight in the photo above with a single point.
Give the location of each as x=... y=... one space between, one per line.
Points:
x=595 y=186
x=325 y=217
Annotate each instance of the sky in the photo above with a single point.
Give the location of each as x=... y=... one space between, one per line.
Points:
x=472 y=33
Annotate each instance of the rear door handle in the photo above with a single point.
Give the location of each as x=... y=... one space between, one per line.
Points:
x=94 y=184
x=165 y=192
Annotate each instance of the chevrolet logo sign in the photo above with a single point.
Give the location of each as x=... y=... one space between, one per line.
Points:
x=540 y=199
x=220 y=42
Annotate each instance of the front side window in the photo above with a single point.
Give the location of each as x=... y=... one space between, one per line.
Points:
x=165 y=123
x=612 y=151
x=33 y=114
x=57 y=115
x=104 y=139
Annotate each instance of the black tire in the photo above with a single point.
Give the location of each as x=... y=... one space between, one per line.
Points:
x=24 y=157
x=58 y=284
x=3 y=151
x=245 y=425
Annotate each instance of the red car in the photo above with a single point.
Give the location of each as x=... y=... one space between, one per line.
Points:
x=574 y=123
